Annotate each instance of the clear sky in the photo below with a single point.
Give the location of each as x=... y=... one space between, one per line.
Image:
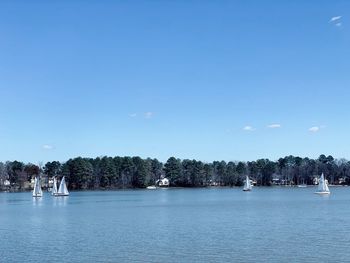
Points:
x=191 y=79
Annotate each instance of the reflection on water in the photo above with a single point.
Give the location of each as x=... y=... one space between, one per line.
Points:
x=177 y=225
x=60 y=200
x=37 y=201
x=164 y=192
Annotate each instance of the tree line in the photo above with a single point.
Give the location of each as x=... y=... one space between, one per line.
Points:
x=135 y=172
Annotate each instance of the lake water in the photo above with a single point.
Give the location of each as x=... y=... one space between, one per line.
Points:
x=177 y=225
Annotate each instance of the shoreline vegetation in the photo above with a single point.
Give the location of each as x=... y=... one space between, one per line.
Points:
x=113 y=173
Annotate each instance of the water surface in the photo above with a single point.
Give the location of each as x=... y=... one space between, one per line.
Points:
x=177 y=225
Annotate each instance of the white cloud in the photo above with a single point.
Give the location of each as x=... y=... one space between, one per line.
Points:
x=47 y=147
x=314 y=129
x=274 y=126
x=248 y=128
x=132 y=115
x=148 y=115
x=336 y=21
x=335 y=18
x=338 y=24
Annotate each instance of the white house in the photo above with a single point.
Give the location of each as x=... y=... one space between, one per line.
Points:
x=164 y=182
x=7 y=183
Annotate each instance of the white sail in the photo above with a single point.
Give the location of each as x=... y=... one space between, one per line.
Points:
x=323 y=186
x=320 y=184
x=34 y=188
x=37 y=192
x=247 y=184
x=40 y=191
x=54 y=187
x=326 y=186
x=62 y=190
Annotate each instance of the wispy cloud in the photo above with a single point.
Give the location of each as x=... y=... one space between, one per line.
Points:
x=274 y=126
x=248 y=128
x=47 y=147
x=148 y=115
x=314 y=129
x=335 y=18
x=336 y=21
x=339 y=24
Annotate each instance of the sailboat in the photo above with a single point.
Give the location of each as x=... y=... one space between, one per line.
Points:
x=37 y=192
x=247 y=184
x=54 y=187
x=62 y=190
x=303 y=185
x=322 y=186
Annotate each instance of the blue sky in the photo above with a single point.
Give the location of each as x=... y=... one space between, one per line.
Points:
x=191 y=79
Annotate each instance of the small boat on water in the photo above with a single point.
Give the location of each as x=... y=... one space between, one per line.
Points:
x=302 y=185
x=37 y=191
x=54 y=190
x=62 y=190
x=247 y=184
x=322 y=186
x=151 y=187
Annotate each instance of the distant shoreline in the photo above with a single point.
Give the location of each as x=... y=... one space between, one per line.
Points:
x=170 y=188
x=110 y=173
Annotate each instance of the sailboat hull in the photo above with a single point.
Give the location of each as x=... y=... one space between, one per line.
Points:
x=37 y=195
x=322 y=193
x=246 y=190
